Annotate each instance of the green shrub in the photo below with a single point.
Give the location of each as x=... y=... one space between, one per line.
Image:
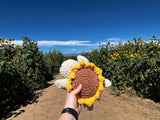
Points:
x=23 y=69
x=30 y=64
x=53 y=60
x=69 y=57
x=132 y=64
x=12 y=89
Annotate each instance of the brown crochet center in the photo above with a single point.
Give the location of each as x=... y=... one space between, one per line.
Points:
x=89 y=80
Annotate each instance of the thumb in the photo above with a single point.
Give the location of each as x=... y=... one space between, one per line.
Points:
x=77 y=90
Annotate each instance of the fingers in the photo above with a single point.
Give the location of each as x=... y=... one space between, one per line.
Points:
x=77 y=90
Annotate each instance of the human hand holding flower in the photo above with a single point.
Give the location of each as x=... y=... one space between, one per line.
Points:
x=71 y=99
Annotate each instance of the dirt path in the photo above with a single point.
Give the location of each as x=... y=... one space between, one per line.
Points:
x=50 y=104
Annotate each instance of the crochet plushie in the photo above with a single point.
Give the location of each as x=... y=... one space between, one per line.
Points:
x=91 y=79
x=68 y=68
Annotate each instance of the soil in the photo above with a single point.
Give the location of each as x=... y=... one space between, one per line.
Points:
x=50 y=104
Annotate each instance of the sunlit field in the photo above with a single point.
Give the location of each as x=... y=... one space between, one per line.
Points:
x=133 y=67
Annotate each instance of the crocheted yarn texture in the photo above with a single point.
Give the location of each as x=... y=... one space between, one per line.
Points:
x=91 y=79
x=82 y=58
x=65 y=68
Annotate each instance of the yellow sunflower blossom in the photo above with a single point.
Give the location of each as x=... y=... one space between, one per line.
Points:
x=125 y=44
x=114 y=58
x=18 y=52
x=2 y=45
x=141 y=41
x=10 y=40
x=87 y=101
x=117 y=55
x=17 y=47
x=133 y=93
x=111 y=47
x=8 y=56
x=144 y=55
x=123 y=91
x=154 y=63
x=135 y=54
x=132 y=55
x=132 y=43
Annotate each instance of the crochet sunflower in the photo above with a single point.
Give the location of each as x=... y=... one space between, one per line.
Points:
x=91 y=79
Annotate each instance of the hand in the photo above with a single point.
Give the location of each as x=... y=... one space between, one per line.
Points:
x=71 y=100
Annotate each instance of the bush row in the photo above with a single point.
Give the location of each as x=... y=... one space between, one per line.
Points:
x=23 y=69
x=133 y=65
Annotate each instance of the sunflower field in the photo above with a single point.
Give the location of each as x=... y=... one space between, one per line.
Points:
x=24 y=69
x=132 y=65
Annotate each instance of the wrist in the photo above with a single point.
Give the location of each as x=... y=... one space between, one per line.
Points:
x=70 y=111
x=67 y=116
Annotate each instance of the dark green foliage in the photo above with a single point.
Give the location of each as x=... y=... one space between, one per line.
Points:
x=24 y=69
x=69 y=57
x=53 y=60
x=133 y=65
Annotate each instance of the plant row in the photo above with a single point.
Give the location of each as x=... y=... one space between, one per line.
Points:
x=24 y=69
x=134 y=66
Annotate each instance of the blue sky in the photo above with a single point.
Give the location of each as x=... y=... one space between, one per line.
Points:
x=73 y=26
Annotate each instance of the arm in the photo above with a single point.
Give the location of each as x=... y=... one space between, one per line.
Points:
x=71 y=102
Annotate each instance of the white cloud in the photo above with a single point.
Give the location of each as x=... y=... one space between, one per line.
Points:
x=73 y=49
x=18 y=42
x=113 y=39
x=60 y=43
x=47 y=43
x=64 y=43
x=111 y=43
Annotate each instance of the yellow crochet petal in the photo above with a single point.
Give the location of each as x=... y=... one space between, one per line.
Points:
x=91 y=65
x=98 y=71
